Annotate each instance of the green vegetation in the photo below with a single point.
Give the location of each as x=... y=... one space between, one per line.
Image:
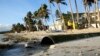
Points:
x=18 y=27
x=31 y=20
x=38 y=20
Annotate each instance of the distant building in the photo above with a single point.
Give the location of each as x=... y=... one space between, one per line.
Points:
x=82 y=19
x=56 y=26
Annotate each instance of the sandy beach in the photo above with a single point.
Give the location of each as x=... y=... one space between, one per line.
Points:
x=40 y=34
x=84 y=47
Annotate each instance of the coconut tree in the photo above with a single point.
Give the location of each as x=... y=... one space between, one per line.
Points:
x=46 y=18
x=57 y=13
x=36 y=17
x=26 y=23
x=58 y=2
x=43 y=12
x=51 y=3
x=76 y=10
x=97 y=11
x=18 y=27
x=72 y=14
x=14 y=29
x=29 y=21
x=87 y=5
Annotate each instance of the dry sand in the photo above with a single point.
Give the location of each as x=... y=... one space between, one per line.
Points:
x=40 y=34
x=83 y=47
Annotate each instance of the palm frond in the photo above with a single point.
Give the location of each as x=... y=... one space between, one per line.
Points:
x=64 y=3
x=51 y=1
x=53 y=4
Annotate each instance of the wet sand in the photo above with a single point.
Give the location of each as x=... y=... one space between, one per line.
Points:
x=83 y=47
x=20 y=50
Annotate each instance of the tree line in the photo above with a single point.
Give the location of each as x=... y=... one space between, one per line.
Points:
x=38 y=20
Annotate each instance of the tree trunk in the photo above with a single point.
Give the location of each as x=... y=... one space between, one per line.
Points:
x=97 y=7
x=95 y=15
x=46 y=22
x=85 y=15
x=88 y=11
x=77 y=11
x=52 y=16
x=72 y=14
x=62 y=18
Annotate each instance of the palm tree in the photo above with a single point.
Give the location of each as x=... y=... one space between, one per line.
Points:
x=18 y=27
x=14 y=28
x=45 y=12
x=42 y=14
x=97 y=8
x=87 y=5
x=26 y=23
x=51 y=2
x=58 y=2
x=77 y=10
x=29 y=21
x=46 y=18
x=57 y=13
x=22 y=27
x=36 y=17
x=72 y=14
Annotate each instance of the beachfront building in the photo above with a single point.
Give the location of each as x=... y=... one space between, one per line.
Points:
x=94 y=21
x=56 y=26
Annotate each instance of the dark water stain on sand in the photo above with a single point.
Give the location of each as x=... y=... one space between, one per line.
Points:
x=22 y=51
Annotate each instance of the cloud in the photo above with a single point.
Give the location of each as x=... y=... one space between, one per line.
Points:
x=5 y=27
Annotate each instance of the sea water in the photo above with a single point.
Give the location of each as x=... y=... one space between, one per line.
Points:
x=20 y=50
x=2 y=36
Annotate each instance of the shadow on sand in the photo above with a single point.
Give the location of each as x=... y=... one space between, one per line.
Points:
x=52 y=39
x=20 y=50
x=44 y=45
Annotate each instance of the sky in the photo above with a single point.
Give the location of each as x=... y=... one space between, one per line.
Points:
x=13 y=11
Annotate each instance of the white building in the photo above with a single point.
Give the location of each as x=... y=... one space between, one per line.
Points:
x=56 y=26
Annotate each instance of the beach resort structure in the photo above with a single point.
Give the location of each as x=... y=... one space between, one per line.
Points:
x=56 y=26
x=94 y=21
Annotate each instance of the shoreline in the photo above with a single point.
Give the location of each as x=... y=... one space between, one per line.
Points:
x=40 y=34
x=88 y=46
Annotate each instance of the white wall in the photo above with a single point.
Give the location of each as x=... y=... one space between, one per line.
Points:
x=57 y=25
